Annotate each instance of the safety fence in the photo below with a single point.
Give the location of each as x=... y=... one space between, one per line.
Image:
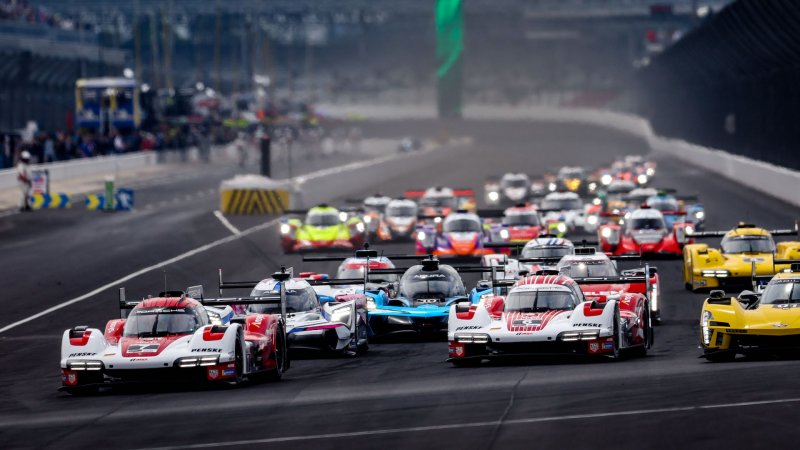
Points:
x=732 y=83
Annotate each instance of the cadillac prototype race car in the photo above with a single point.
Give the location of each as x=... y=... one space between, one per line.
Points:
x=645 y=232
x=336 y=324
x=460 y=234
x=549 y=314
x=175 y=337
x=324 y=227
x=510 y=189
x=765 y=322
x=744 y=252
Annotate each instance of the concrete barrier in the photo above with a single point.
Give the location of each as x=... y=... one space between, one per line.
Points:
x=66 y=170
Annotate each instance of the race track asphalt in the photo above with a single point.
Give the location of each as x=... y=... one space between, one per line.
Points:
x=400 y=394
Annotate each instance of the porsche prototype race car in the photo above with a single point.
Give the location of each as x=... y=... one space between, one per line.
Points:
x=510 y=189
x=460 y=234
x=587 y=262
x=745 y=251
x=398 y=221
x=335 y=324
x=645 y=232
x=324 y=227
x=548 y=314
x=518 y=224
x=174 y=337
x=767 y=321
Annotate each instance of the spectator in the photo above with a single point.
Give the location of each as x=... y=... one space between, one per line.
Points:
x=49 y=149
x=24 y=180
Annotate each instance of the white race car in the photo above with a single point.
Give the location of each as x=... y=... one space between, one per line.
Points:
x=548 y=314
x=510 y=189
x=565 y=207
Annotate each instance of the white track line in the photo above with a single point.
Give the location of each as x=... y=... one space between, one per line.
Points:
x=143 y=271
x=492 y=423
x=228 y=225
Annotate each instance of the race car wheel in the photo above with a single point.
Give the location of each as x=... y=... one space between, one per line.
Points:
x=280 y=357
x=615 y=354
x=648 y=334
x=362 y=337
x=239 y=360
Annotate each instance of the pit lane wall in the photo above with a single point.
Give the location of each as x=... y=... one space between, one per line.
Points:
x=770 y=179
x=67 y=170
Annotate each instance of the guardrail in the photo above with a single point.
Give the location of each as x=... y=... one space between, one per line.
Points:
x=67 y=170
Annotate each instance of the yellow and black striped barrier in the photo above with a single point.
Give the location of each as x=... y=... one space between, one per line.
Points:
x=254 y=201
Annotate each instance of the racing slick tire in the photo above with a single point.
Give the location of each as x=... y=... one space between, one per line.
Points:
x=719 y=356
x=361 y=337
x=615 y=354
x=280 y=357
x=238 y=377
x=648 y=335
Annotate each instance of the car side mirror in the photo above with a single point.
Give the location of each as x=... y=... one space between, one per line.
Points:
x=748 y=297
x=716 y=294
x=462 y=307
x=717 y=297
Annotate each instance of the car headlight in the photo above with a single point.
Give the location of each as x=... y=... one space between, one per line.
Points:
x=367 y=219
x=651 y=171
x=605 y=232
x=285 y=228
x=472 y=338
x=84 y=365
x=196 y=361
x=700 y=215
x=421 y=236
x=493 y=196
x=706 y=317
x=360 y=227
x=561 y=227
x=654 y=298
x=711 y=273
x=592 y=220
x=606 y=179
x=641 y=179
x=437 y=220
x=504 y=234
x=342 y=315
x=551 y=187
x=689 y=229
x=592 y=186
x=343 y=216
x=596 y=201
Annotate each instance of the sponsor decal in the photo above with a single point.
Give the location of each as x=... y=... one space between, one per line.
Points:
x=73 y=355
x=206 y=350
x=470 y=327
x=459 y=350
x=72 y=378
x=780 y=325
x=608 y=345
x=213 y=374
x=427 y=276
x=143 y=348
x=138 y=359
x=526 y=323
x=700 y=282
x=229 y=372
x=594 y=325
x=159 y=310
x=428 y=300
x=787 y=306
x=110 y=354
x=594 y=347
x=735 y=330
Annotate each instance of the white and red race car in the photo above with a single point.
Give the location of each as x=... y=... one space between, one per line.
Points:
x=549 y=314
x=175 y=337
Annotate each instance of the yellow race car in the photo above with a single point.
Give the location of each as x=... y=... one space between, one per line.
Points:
x=744 y=252
x=764 y=322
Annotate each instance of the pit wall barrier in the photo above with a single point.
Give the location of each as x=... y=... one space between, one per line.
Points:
x=775 y=181
x=66 y=170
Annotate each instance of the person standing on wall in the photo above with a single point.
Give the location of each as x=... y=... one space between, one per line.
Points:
x=24 y=179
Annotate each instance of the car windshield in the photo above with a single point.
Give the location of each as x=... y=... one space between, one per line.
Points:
x=439 y=201
x=327 y=219
x=161 y=321
x=531 y=219
x=647 y=223
x=539 y=301
x=664 y=205
x=515 y=183
x=781 y=292
x=462 y=225
x=546 y=252
x=581 y=269
x=748 y=244
x=297 y=300
x=442 y=284
x=401 y=211
x=572 y=174
x=562 y=204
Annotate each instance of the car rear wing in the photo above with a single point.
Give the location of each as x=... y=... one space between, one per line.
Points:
x=125 y=305
x=778 y=232
x=280 y=299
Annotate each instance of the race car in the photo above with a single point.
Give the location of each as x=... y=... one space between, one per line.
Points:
x=542 y=253
x=398 y=221
x=549 y=314
x=645 y=232
x=335 y=325
x=675 y=208
x=745 y=251
x=587 y=262
x=175 y=337
x=440 y=201
x=424 y=295
x=766 y=322
x=519 y=223
x=510 y=189
x=324 y=227
x=373 y=208
x=460 y=234
x=562 y=212
x=570 y=179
